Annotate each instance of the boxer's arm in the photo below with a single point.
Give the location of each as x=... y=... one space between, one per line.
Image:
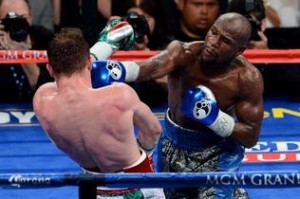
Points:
x=175 y=56
x=142 y=117
x=249 y=110
x=148 y=125
x=164 y=62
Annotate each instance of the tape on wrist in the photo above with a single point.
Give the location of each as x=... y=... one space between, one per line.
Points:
x=132 y=71
x=223 y=125
x=148 y=151
x=101 y=50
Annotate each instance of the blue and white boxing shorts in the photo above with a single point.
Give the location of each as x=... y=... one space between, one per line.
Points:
x=186 y=150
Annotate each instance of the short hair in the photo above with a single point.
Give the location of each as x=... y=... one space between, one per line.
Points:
x=68 y=52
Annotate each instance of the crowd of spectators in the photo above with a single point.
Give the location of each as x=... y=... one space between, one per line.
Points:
x=166 y=20
x=18 y=82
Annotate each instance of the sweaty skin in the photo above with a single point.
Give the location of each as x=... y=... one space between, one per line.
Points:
x=218 y=64
x=95 y=126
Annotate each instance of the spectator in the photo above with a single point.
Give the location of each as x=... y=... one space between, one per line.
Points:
x=109 y=8
x=92 y=21
x=195 y=18
x=279 y=79
x=155 y=39
x=42 y=13
x=150 y=35
x=95 y=14
x=255 y=13
x=71 y=18
x=287 y=11
x=152 y=92
x=19 y=81
x=271 y=14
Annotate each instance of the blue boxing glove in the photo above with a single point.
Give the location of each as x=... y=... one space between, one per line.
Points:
x=105 y=72
x=117 y=34
x=199 y=104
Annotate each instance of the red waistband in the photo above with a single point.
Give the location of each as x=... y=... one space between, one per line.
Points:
x=144 y=167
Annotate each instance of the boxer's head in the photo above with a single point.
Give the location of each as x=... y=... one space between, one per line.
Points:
x=227 y=38
x=68 y=52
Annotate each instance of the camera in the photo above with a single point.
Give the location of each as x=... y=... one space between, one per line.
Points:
x=17 y=26
x=253 y=10
x=139 y=24
x=255 y=27
x=255 y=13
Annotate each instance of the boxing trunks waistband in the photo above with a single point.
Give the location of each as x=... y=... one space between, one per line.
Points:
x=142 y=165
x=193 y=140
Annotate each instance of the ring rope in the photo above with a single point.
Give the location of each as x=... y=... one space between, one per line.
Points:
x=254 y=56
x=254 y=179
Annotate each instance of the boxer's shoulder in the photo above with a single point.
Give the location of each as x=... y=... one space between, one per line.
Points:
x=118 y=93
x=247 y=68
x=45 y=90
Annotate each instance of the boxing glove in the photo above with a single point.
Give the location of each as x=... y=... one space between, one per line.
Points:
x=116 y=35
x=199 y=104
x=105 y=72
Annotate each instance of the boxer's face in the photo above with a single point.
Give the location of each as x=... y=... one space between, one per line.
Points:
x=222 y=42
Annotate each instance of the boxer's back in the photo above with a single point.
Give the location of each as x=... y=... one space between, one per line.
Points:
x=94 y=127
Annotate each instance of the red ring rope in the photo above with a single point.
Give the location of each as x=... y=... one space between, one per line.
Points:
x=289 y=56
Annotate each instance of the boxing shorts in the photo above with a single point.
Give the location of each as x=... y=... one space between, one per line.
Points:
x=142 y=165
x=186 y=150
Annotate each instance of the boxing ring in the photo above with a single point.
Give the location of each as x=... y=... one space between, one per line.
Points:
x=32 y=167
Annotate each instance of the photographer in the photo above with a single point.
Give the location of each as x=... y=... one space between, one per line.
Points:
x=19 y=81
x=143 y=15
x=255 y=12
x=149 y=34
x=279 y=79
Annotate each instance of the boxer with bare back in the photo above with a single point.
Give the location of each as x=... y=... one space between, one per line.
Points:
x=215 y=103
x=95 y=127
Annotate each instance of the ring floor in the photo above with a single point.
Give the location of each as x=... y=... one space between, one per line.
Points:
x=24 y=148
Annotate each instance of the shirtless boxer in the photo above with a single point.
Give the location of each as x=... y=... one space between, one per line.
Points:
x=215 y=103
x=95 y=127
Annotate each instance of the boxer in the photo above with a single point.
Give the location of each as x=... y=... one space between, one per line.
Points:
x=215 y=102
x=95 y=127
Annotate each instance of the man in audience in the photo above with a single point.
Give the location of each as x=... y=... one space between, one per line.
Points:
x=18 y=82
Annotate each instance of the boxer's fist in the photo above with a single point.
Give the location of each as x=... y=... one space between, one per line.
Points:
x=199 y=104
x=105 y=72
x=116 y=35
